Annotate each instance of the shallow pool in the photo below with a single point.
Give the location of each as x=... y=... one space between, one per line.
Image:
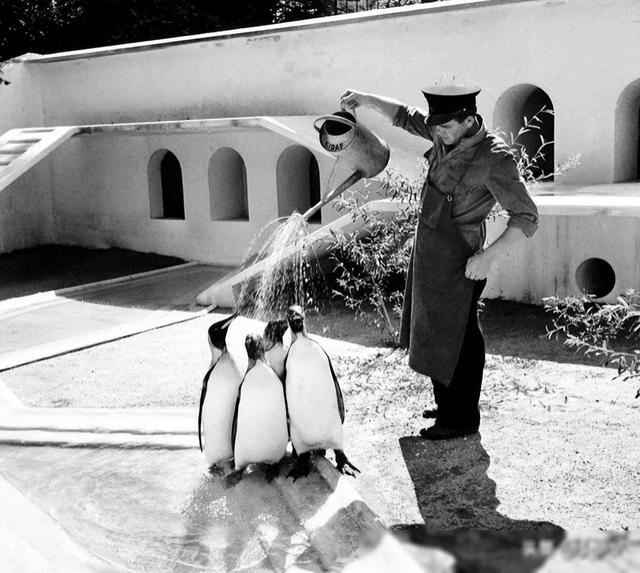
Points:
x=157 y=510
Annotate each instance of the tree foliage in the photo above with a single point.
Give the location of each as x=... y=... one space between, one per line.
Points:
x=48 y=26
x=291 y=10
x=37 y=25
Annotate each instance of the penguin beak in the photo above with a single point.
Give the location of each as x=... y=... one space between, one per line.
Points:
x=224 y=323
x=229 y=320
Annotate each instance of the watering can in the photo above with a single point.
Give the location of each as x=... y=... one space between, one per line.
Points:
x=356 y=145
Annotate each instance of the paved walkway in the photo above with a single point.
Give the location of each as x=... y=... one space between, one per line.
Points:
x=48 y=324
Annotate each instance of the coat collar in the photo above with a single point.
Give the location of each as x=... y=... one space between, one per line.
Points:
x=468 y=142
x=437 y=153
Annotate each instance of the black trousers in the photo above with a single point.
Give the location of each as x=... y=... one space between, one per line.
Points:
x=458 y=402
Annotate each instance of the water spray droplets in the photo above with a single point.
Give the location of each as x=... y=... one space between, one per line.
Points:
x=282 y=281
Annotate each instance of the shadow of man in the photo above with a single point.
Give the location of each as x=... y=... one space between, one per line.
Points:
x=458 y=503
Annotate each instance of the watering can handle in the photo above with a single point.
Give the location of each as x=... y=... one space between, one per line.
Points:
x=352 y=111
x=333 y=118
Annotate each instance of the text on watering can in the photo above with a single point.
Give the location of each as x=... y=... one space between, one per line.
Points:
x=334 y=146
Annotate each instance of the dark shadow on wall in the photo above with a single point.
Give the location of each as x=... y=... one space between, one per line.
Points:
x=458 y=503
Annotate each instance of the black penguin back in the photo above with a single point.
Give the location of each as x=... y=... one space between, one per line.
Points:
x=274 y=331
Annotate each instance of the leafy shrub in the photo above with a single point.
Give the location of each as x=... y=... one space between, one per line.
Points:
x=608 y=331
x=529 y=165
x=370 y=268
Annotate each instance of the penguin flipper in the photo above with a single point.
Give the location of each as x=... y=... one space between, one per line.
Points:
x=338 y=391
x=203 y=394
x=284 y=391
x=234 y=425
x=336 y=384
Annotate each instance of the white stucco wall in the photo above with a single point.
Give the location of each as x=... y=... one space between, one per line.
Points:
x=546 y=264
x=25 y=206
x=101 y=193
x=20 y=101
x=582 y=53
x=26 y=217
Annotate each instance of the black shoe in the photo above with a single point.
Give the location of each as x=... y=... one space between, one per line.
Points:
x=437 y=432
x=430 y=413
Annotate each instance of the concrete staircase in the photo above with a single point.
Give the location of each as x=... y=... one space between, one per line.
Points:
x=21 y=149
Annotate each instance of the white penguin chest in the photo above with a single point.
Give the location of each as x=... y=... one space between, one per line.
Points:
x=261 y=427
x=275 y=358
x=308 y=370
x=218 y=409
x=312 y=398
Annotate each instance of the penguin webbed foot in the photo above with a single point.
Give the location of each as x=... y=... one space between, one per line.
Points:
x=302 y=466
x=271 y=472
x=216 y=470
x=344 y=466
x=232 y=479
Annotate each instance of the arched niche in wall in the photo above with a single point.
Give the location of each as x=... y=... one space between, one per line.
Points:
x=166 y=193
x=228 y=198
x=627 y=136
x=537 y=136
x=298 y=177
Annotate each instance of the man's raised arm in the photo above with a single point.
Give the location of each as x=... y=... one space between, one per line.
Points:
x=385 y=106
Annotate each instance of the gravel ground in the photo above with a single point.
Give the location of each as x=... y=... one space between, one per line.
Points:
x=558 y=449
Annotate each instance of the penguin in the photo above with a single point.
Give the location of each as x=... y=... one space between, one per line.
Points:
x=314 y=400
x=275 y=350
x=218 y=399
x=260 y=433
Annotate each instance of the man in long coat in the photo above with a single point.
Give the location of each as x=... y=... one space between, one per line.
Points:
x=470 y=170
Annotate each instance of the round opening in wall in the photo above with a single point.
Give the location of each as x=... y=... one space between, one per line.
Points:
x=595 y=277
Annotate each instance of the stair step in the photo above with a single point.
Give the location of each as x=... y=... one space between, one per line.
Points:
x=33 y=131
x=21 y=149
x=5 y=151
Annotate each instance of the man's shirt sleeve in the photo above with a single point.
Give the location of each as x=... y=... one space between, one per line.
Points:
x=507 y=186
x=413 y=120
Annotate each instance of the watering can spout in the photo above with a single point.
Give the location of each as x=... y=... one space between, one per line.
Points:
x=348 y=182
